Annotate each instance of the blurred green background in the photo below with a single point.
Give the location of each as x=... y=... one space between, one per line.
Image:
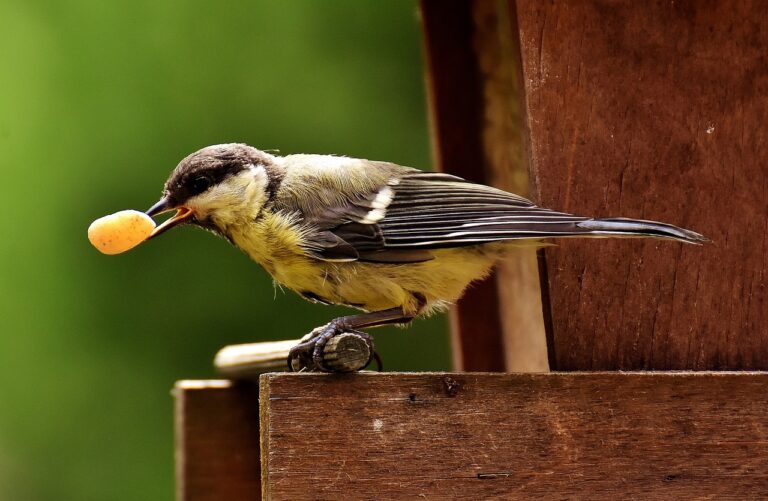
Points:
x=98 y=102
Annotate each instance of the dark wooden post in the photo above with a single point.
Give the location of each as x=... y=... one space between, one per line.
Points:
x=653 y=110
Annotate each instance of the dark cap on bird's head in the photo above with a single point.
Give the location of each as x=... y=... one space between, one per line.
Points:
x=200 y=171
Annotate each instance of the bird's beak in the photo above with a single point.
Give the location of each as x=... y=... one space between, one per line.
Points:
x=164 y=205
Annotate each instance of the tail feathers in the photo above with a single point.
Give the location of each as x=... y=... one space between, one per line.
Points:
x=622 y=227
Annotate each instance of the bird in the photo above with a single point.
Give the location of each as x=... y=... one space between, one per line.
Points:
x=394 y=242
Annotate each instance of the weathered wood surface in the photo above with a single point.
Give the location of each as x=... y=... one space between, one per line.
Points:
x=653 y=110
x=516 y=436
x=217 y=441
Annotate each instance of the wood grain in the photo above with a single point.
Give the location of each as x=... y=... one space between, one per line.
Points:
x=653 y=110
x=515 y=436
x=217 y=441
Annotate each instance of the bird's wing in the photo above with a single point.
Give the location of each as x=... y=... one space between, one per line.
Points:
x=416 y=212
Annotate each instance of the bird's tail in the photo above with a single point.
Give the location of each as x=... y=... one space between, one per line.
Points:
x=623 y=227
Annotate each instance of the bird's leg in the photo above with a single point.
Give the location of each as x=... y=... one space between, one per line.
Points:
x=309 y=353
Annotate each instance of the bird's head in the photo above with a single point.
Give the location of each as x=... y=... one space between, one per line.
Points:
x=217 y=187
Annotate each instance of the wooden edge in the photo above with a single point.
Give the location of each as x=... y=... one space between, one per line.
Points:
x=199 y=384
x=264 y=433
x=269 y=376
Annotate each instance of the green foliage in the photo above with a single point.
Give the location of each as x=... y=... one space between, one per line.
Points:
x=98 y=102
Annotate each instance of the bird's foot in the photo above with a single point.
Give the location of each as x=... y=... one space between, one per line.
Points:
x=308 y=355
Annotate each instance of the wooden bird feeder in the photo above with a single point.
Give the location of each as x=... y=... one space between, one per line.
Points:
x=652 y=110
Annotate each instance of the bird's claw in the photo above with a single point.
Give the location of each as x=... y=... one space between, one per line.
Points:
x=308 y=354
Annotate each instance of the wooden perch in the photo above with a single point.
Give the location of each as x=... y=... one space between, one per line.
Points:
x=347 y=352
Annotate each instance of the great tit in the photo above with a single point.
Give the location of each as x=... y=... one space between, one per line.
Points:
x=392 y=241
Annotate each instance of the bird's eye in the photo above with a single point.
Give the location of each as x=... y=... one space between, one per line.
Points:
x=200 y=184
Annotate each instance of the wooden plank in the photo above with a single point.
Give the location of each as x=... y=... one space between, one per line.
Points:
x=515 y=436
x=217 y=441
x=455 y=106
x=653 y=110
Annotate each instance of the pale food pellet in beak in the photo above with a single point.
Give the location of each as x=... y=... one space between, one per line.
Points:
x=121 y=231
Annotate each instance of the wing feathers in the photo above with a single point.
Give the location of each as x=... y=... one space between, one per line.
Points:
x=427 y=211
x=420 y=211
x=432 y=212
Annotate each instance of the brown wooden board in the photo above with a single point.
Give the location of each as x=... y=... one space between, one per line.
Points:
x=653 y=110
x=217 y=441
x=515 y=436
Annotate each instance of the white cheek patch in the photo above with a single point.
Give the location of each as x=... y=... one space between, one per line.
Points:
x=255 y=191
x=238 y=197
